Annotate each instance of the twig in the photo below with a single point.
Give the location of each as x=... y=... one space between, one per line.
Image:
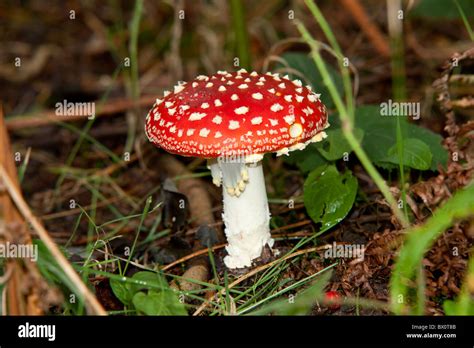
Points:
x=48 y=117
x=368 y=27
x=192 y=255
x=255 y=271
x=94 y=306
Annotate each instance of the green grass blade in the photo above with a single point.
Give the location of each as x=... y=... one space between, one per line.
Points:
x=420 y=239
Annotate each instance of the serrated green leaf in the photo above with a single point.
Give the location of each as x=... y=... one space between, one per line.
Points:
x=335 y=145
x=329 y=195
x=416 y=154
x=164 y=302
x=305 y=65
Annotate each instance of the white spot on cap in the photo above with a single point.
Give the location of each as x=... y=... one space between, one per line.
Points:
x=204 y=132
x=173 y=129
x=312 y=98
x=243 y=86
x=222 y=72
x=299 y=98
x=195 y=84
x=178 y=89
x=272 y=90
x=262 y=79
x=189 y=132
x=308 y=111
x=218 y=135
x=217 y=120
x=172 y=111
x=260 y=83
x=241 y=71
x=276 y=107
x=196 y=116
x=234 y=124
x=286 y=77
x=247 y=79
x=253 y=73
x=230 y=82
x=257 y=96
x=209 y=85
x=180 y=133
x=299 y=90
x=166 y=93
x=290 y=119
x=204 y=105
x=169 y=104
x=297 y=83
x=217 y=102
x=282 y=85
x=288 y=98
x=202 y=78
x=234 y=97
x=241 y=110
x=158 y=101
x=256 y=120
x=222 y=89
x=273 y=122
x=184 y=107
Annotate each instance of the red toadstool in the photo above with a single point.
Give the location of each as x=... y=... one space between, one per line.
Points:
x=233 y=119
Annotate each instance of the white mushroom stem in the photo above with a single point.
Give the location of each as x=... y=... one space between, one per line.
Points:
x=246 y=214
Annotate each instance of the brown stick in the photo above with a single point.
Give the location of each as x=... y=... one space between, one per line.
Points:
x=92 y=304
x=49 y=117
x=368 y=27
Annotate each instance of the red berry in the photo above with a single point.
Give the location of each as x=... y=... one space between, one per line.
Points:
x=332 y=300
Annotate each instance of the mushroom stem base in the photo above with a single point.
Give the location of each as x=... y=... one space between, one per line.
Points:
x=246 y=220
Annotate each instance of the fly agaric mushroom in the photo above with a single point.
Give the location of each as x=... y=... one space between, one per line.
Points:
x=233 y=119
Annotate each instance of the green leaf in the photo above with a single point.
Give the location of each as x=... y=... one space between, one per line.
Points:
x=336 y=145
x=125 y=290
x=419 y=240
x=147 y=280
x=434 y=142
x=329 y=195
x=416 y=154
x=306 y=160
x=305 y=65
x=121 y=291
x=437 y=9
x=380 y=137
x=158 y=303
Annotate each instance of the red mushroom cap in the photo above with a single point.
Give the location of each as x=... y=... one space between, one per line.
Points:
x=237 y=113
